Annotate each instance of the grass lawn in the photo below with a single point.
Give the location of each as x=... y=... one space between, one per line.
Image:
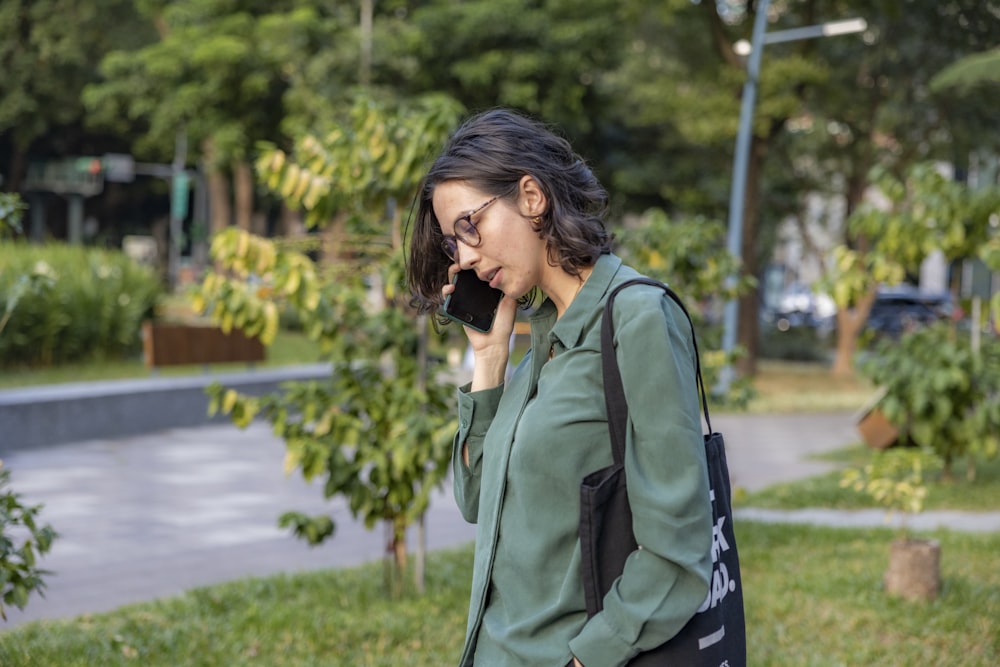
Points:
x=980 y=494
x=787 y=386
x=813 y=597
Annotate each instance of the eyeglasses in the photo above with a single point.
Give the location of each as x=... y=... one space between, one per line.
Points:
x=465 y=231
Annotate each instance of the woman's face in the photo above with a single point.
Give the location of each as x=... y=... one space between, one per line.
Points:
x=511 y=256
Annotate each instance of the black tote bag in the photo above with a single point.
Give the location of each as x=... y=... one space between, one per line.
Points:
x=716 y=634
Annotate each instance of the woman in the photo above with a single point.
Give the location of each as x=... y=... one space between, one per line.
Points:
x=510 y=200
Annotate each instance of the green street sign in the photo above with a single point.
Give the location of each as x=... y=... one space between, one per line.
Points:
x=179 y=195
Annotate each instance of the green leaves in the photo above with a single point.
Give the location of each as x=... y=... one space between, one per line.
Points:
x=63 y=303
x=940 y=391
x=12 y=209
x=22 y=540
x=685 y=253
x=312 y=529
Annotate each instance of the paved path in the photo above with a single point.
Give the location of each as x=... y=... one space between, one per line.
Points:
x=972 y=522
x=152 y=516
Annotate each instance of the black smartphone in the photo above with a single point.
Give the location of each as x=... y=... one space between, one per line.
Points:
x=473 y=303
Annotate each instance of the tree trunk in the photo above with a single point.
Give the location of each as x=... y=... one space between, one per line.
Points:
x=914 y=571
x=851 y=322
x=421 y=555
x=334 y=236
x=395 y=561
x=16 y=169
x=218 y=190
x=748 y=327
x=290 y=223
x=849 y=325
x=243 y=194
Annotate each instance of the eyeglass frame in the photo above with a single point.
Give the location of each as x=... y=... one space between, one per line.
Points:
x=450 y=242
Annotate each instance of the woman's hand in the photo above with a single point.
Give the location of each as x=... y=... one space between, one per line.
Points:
x=491 y=349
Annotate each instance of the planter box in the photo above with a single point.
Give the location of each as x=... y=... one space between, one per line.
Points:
x=876 y=430
x=183 y=344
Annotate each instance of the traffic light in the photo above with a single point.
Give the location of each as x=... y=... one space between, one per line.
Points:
x=88 y=165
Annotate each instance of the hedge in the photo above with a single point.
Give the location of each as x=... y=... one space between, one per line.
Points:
x=71 y=303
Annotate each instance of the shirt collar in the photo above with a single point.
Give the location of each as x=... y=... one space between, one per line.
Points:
x=569 y=328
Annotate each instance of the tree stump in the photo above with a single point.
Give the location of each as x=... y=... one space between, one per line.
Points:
x=914 y=569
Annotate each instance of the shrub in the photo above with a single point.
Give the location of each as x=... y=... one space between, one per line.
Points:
x=940 y=391
x=84 y=303
x=22 y=541
x=12 y=209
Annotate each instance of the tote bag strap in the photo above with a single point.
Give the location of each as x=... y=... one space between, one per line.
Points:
x=614 y=390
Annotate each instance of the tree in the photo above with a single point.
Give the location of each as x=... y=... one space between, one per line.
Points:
x=684 y=253
x=218 y=75
x=48 y=51
x=878 y=110
x=921 y=214
x=380 y=429
x=545 y=59
x=679 y=86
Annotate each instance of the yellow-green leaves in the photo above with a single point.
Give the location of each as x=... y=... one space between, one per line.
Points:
x=896 y=478
x=257 y=278
x=377 y=431
x=374 y=155
x=904 y=222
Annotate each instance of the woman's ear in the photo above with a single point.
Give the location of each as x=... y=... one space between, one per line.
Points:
x=531 y=198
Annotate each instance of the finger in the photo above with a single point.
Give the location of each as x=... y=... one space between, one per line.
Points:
x=449 y=287
x=506 y=314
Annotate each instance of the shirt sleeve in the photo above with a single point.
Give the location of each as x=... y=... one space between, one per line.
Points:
x=476 y=410
x=667 y=578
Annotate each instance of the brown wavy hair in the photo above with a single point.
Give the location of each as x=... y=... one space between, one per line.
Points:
x=492 y=151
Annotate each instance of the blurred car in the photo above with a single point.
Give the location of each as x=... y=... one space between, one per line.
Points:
x=798 y=306
x=903 y=308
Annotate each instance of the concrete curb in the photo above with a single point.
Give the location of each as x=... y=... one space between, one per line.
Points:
x=72 y=412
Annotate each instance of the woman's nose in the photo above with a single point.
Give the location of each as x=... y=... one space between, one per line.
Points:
x=468 y=256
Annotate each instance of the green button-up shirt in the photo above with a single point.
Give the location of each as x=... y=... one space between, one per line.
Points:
x=530 y=444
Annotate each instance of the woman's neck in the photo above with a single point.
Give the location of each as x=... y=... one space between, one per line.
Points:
x=565 y=287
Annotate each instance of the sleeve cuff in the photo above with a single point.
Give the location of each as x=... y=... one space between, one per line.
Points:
x=476 y=410
x=599 y=644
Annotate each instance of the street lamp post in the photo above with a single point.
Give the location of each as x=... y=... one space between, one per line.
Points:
x=741 y=156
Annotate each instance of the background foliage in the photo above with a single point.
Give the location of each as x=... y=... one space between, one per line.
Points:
x=72 y=303
x=647 y=91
